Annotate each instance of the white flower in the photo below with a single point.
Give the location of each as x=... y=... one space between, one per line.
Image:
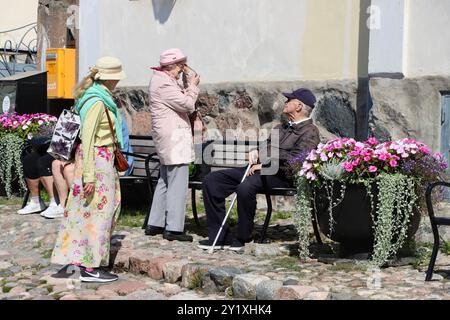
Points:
x=40 y=122
x=25 y=127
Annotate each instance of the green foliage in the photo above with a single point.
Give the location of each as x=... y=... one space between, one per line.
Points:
x=196 y=280
x=445 y=247
x=133 y=219
x=394 y=209
x=10 y=162
x=391 y=214
x=302 y=215
x=290 y=263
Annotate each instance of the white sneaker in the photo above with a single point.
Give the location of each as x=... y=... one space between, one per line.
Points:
x=30 y=208
x=53 y=211
x=51 y=204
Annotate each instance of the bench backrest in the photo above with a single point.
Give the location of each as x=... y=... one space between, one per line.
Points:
x=143 y=145
x=221 y=154
x=217 y=154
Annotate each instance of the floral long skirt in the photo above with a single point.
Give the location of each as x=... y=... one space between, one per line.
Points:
x=85 y=232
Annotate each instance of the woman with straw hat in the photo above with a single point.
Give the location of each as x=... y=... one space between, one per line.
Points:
x=93 y=205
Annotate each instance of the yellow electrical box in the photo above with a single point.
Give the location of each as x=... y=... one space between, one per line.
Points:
x=60 y=64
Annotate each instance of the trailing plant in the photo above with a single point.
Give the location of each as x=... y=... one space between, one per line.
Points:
x=395 y=175
x=10 y=162
x=15 y=132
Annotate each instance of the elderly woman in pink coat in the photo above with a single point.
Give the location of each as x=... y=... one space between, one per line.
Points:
x=170 y=105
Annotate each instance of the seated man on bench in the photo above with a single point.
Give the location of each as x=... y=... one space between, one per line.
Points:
x=299 y=135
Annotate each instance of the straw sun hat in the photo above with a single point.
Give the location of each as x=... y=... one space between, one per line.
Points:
x=109 y=68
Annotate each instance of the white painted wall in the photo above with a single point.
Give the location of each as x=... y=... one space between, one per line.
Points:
x=14 y=14
x=386 y=36
x=226 y=41
x=428 y=38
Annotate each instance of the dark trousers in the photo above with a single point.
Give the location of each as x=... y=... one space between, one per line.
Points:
x=220 y=184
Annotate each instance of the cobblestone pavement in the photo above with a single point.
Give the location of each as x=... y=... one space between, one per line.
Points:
x=153 y=268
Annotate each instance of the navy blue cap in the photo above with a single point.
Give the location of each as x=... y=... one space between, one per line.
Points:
x=304 y=95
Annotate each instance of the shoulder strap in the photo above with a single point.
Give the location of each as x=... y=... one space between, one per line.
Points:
x=111 y=128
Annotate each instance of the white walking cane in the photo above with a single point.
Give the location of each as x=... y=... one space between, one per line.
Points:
x=229 y=209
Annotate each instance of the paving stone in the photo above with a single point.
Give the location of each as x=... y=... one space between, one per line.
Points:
x=290 y=282
x=223 y=277
x=152 y=266
x=4 y=255
x=170 y=289
x=5 y=265
x=265 y=290
x=244 y=285
x=123 y=287
x=293 y=292
x=69 y=297
x=192 y=274
x=211 y=275
x=43 y=297
x=319 y=295
x=172 y=270
x=186 y=296
x=146 y=295
x=262 y=250
x=17 y=290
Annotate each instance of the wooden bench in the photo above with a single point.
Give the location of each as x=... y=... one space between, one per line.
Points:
x=225 y=154
x=143 y=153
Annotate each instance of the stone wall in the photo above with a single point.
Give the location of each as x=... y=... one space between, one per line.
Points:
x=244 y=106
x=408 y=108
x=401 y=108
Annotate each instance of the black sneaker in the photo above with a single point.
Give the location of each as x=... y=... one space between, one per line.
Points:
x=179 y=236
x=237 y=246
x=153 y=231
x=67 y=271
x=97 y=275
x=207 y=244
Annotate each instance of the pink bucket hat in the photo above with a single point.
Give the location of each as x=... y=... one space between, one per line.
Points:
x=171 y=56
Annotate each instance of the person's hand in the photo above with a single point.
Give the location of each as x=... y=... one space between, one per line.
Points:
x=194 y=80
x=253 y=156
x=88 y=188
x=254 y=168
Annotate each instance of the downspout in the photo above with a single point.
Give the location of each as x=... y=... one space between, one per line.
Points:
x=363 y=95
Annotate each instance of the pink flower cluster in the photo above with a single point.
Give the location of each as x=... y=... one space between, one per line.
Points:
x=25 y=124
x=365 y=159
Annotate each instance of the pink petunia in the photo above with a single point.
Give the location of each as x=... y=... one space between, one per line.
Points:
x=373 y=169
x=323 y=157
x=306 y=165
x=393 y=163
x=372 y=141
x=311 y=176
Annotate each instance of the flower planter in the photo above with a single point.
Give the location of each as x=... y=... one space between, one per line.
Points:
x=353 y=225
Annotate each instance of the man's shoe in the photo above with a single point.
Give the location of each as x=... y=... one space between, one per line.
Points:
x=30 y=208
x=207 y=244
x=53 y=211
x=153 y=231
x=97 y=275
x=179 y=236
x=237 y=246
